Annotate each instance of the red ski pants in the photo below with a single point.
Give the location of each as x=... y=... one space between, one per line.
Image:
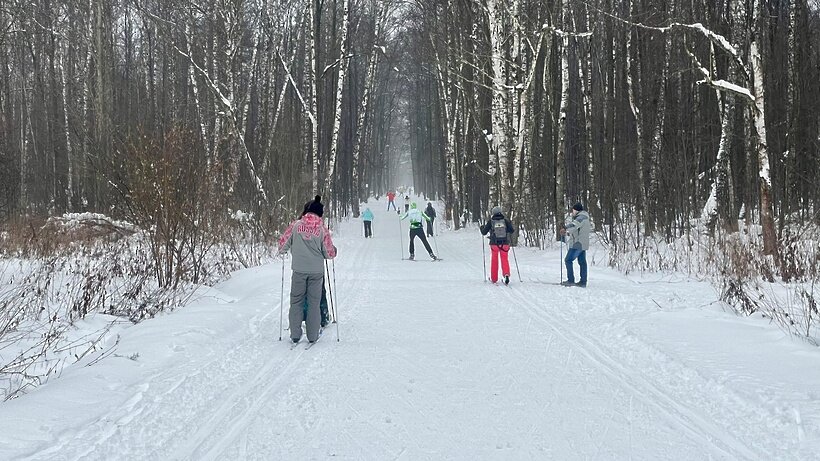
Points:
x=499 y=251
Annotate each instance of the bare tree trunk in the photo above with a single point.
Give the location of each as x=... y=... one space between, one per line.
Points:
x=561 y=151
x=314 y=96
x=195 y=88
x=499 y=186
x=585 y=66
x=69 y=173
x=337 y=118
x=104 y=94
x=634 y=97
x=653 y=188
x=764 y=175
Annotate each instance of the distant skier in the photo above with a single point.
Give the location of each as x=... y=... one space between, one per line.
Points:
x=431 y=212
x=500 y=229
x=367 y=217
x=311 y=244
x=416 y=230
x=576 y=234
x=406 y=203
x=391 y=197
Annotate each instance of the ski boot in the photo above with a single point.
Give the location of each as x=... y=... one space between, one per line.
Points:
x=412 y=257
x=506 y=280
x=433 y=257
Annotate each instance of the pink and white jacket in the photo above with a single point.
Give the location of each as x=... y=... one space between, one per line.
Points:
x=310 y=244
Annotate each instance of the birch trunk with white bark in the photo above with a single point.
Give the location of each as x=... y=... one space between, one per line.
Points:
x=498 y=155
x=764 y=175
x=337 y=118
x=561 y=150
x=585 y=66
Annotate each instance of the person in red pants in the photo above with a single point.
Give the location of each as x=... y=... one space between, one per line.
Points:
x=500 y=229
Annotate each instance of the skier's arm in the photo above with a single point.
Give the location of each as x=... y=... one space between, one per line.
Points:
x=286 y=240
x=424 y=215
x=328 y=248
x=510 y=227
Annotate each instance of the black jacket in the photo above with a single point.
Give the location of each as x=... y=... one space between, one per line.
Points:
x=430 y=211
x=487 y=229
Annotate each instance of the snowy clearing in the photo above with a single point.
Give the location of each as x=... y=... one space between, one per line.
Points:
x=435 y=363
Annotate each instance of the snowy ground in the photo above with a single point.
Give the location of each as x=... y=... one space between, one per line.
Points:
x=435 y=363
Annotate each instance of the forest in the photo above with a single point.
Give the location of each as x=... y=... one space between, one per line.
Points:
x=690 y=125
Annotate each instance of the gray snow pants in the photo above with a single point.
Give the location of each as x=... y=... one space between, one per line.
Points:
x=302 y=285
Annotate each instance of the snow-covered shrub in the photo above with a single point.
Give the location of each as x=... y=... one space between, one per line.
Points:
x=108 y=269
x=783 y=290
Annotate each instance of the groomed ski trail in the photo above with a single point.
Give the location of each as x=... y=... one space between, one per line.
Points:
x=433 y=363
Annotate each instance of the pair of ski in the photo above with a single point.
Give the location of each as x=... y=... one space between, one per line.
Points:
x=309 y=344
x=559 y=284
x=419 y=260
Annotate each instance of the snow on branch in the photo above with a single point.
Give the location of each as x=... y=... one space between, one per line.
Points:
x=565 y=33
x=296 y=88
x=719 y=40
x=719 y=84
x=723 y=85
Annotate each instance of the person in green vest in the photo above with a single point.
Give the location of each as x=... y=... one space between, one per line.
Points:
x=416 y=217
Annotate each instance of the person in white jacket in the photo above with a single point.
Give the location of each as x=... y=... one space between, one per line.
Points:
x=576 y=234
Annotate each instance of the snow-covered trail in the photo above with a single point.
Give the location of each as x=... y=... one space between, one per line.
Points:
x=433 y=363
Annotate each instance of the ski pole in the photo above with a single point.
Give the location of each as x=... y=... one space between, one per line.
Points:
x=484 y=258
x=561 y=261
x=435 y=241
x=282 y=299
x=336 y=302
x=516 y=264
x=401 y=238
x=326 y=283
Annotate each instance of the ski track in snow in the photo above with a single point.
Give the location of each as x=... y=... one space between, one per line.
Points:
x=435 y=363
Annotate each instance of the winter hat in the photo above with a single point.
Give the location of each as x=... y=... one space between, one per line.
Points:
x=413 y=205
x=316 y=206
x=496 y=210
x=306 y=208
x=578 y=207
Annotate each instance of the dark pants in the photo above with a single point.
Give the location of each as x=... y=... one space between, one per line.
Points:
x=581 y=256
x=323 y=308
x=430 y=227
x=418 y=232
x=368 y=231
x=391 y=203
x=406 y=207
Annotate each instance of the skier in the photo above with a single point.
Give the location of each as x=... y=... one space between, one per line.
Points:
x=323 y=306
x=311 y=244
x=391 y=196
x=416 y=230
x=576 y=234
x=499 y=229
x=406 y=203
x=367 y=217
x=431 y=212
